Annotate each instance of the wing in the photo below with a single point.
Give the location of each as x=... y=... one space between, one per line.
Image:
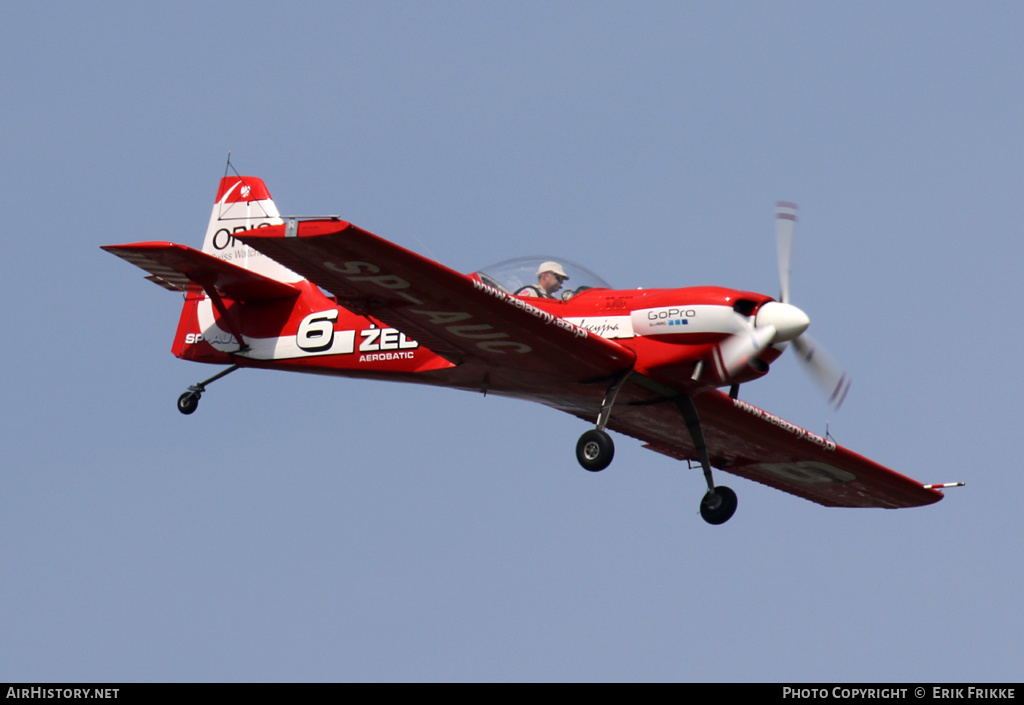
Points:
x=747 y=441
x=467 y=321
x=456 y=316
x=174 y=267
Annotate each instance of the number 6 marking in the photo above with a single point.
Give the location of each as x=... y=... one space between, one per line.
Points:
x=316 y=332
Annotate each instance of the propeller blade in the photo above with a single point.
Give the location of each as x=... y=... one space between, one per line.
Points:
x=826 y=373
x=736 y=352
x=785 y=224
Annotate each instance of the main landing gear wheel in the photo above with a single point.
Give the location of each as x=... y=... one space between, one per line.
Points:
x=718 y=507
x=188 y=402
x=595 y=450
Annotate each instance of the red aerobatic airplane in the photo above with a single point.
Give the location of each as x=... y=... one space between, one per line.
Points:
x=323 y=296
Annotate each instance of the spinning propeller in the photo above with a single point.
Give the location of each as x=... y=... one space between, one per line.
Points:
x=779 y=321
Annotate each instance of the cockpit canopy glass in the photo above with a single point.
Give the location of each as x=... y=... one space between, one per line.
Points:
x=513 y=274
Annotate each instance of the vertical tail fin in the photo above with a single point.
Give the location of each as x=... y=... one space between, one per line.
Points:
x=244 y=203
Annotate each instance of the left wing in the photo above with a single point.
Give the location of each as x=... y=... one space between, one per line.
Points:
x=456 y=316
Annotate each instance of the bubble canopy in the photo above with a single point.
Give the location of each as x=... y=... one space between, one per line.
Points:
x=513 y=274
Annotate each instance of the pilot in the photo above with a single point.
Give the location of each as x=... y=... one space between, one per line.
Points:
x=550 y=276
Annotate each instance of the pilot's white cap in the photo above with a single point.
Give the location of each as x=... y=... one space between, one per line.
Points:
x=554 y=268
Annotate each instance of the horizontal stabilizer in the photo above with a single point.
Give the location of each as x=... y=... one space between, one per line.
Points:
x=175 y=267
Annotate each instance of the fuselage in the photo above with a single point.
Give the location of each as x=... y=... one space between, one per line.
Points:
x=674 y=334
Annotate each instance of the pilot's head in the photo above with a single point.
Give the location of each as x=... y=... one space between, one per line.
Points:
x=550 y=276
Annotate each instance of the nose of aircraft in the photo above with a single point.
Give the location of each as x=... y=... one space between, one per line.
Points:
x=788 y=320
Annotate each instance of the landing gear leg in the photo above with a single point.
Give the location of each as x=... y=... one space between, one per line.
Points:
x=595 y=449
x=189 y=401
x=719 y=503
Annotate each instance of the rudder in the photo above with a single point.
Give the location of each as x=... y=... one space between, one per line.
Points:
x=244 y=203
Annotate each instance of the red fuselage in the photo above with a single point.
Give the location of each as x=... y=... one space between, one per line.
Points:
x=671 y=332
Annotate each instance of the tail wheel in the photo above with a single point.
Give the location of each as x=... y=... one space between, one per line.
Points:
x=595 y=450
x=717 y=507
x=188 y=402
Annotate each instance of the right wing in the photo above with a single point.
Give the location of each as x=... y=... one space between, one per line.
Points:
x=747 y=441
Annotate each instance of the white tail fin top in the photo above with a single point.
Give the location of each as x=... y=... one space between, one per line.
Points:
x=244 y=203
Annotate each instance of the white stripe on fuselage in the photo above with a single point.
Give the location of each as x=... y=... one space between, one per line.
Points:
x=278 y=348
x=673 y=320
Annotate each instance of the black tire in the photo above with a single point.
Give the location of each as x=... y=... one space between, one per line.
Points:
x=188 y=403
x=718 y=507
x=595 y=450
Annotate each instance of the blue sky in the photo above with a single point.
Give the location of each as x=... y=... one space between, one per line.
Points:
x=300 y=528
